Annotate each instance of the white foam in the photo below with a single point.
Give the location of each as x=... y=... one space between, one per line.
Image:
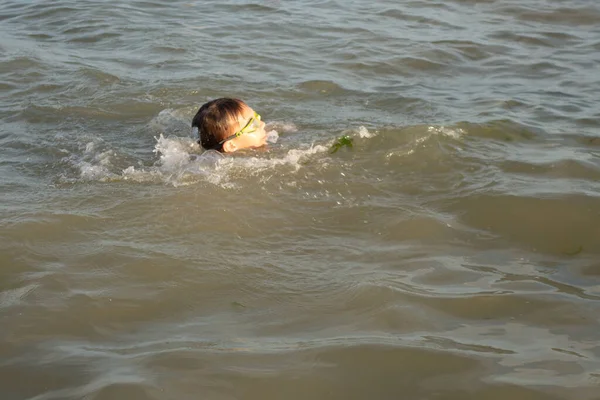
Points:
x=432 y=131
x=456 y=133
x=90 y=172
x=94 y=164
x=180 y=161
x=364 y=133
x=281 y=126
x=274 y=127
x=173 y=152
x=141 y=175
x=221 y=170
x=293 y=158
x=272 y=136
x=89 y=148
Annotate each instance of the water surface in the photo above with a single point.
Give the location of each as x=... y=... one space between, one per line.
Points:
x=452 y=253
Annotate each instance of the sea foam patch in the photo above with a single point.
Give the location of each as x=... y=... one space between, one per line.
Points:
x=454 y=133
x=181 y=161
x=364 y=133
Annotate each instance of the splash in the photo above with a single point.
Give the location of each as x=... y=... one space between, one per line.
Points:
x=174 y=153
x=181 y=161
x=364 y=133
x=95 y=163
x=419 y=136
x=272 y=136
x=455 y=133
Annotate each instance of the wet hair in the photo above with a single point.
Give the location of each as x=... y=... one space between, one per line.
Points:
x=214 y=120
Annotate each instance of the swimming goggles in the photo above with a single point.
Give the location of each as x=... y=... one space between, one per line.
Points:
x=252 y=126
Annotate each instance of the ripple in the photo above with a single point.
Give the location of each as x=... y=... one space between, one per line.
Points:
x=318 y=86
x=11 y=298
x=464 y=347
x=451 y=251
x=567 y=169
x=518 y=219
x=565 y=16
x=400 y=15
x=504 y=130
x=521 y=38
x=43 y=11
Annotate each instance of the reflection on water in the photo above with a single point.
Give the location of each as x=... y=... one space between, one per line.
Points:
x=451 y=252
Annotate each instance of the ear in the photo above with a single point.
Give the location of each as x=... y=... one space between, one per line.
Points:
x=229 y=146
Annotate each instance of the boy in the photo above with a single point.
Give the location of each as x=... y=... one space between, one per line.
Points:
x=228 y=125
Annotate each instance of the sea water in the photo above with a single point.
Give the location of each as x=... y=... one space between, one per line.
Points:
x=451 y=252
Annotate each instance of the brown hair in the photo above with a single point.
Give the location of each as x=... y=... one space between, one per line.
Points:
x=214 y=120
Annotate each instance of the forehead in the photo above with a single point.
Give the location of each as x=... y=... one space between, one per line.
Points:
x=247 y=113
x=244 y=116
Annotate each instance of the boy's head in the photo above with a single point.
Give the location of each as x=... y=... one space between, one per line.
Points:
x=228 y=125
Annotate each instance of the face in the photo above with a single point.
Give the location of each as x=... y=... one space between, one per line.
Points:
x=254 y=134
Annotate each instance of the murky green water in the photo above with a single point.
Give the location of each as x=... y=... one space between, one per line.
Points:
x=452 y=253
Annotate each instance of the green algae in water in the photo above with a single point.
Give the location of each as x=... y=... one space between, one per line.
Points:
x=344 y=141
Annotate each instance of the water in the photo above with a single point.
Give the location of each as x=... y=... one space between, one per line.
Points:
x=452 y=253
